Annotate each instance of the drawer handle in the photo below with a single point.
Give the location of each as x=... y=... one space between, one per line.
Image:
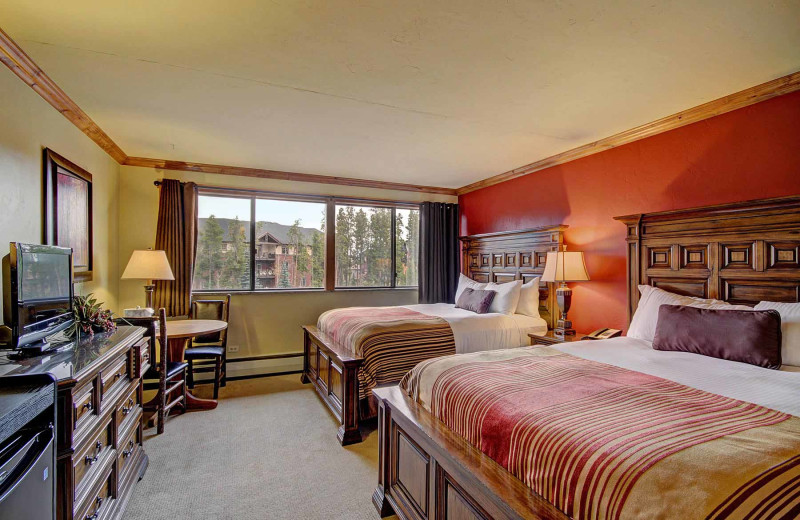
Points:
x=127 y=453
x=127 y=409
x=99 y=502
x=91 y=460
x=87 y=406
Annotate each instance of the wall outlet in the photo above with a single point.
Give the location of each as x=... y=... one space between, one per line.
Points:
x=233 y=348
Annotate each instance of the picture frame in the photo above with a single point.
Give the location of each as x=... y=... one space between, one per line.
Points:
x=68 y=211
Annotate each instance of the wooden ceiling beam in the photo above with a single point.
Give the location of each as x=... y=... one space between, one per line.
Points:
x=750 y=96
x=219 y=169
x=23 y=66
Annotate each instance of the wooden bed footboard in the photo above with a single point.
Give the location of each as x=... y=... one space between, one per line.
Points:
x=334 y=374
x=427 y=472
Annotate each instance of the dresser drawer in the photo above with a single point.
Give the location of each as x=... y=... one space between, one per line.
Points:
x=144 y=361
x=90 y=456
x=100 y=502
x=128 y=451
x=84 y=407
x=116 y=376
x=127 y=407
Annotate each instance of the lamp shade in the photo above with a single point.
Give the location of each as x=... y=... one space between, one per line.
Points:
x=146 y=264
x=565 y=266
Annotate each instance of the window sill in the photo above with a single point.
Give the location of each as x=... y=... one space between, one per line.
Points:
x=300 y=291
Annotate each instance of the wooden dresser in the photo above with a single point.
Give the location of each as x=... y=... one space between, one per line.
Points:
x=100 y=456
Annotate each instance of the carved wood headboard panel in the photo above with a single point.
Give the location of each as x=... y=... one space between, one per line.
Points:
x=742 y=253
x=514 y=255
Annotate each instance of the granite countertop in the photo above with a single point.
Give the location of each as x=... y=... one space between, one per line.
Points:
x=71 y=359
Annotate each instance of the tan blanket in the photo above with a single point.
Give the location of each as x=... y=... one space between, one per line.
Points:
x=392 y=340
x=602 y=442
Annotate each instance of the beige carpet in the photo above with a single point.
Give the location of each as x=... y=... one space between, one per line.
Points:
x=268 y=451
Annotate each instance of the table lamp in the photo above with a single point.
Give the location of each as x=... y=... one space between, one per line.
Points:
x=148 y=265
x=564 y=266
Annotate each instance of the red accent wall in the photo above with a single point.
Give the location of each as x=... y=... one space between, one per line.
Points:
x=750 y=153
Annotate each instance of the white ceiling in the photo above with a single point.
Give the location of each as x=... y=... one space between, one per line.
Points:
x=428 y=92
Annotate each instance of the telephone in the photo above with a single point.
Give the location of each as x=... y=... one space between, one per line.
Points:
x=604 y=334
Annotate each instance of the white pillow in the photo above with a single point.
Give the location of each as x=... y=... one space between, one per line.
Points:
x=790 y=329
x=466 y=281
x=529 y=299
x=643 y=324
x=507 y=297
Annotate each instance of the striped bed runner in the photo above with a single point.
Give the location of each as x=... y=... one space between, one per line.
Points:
x=602 y=442
x=392 y=340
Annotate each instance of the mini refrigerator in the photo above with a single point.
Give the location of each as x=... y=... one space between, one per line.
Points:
x=27 y=447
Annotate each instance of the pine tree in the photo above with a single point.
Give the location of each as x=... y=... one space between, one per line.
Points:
x=236 y=259
x=400 y=252
x=379 y=248
x=302 y=260
x=412 y=248
x=344 y=246
x=283 y=282
x=360 y=243
x=209 y=254
x=318 y=256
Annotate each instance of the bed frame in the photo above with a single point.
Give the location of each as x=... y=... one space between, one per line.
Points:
x=497 y=257
x=741 y=253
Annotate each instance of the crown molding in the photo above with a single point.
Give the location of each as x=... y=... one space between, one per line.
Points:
x=23 y=66
x=750 y=96
x=220 y=169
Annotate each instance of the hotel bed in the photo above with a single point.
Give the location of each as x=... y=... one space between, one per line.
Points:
x=615 y=428
x=353 y=350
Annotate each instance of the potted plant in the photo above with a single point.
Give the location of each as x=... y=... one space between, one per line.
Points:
x=90 y=317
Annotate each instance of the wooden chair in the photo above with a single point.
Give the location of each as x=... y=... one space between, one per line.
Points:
x=210 y=349
x=165 y=376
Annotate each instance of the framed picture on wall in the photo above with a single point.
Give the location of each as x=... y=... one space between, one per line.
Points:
x=68 y=211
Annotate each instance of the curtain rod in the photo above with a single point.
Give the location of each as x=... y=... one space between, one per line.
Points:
x=300 y=196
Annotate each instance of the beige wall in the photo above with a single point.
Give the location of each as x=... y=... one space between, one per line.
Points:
x=28 y=125
x=261 y=323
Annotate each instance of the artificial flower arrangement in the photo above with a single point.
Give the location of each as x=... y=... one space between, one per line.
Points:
x=90 y=317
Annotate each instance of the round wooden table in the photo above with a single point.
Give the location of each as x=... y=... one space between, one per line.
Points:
x=179 y=333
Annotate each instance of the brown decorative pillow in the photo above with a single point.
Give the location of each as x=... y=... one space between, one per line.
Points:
x=747 y=336
x=475 y=300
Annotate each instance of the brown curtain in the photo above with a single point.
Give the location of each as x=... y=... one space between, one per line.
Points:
x=176 y=234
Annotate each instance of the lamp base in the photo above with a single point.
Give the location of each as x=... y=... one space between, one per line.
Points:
x=564 y=328
x=149 y=289
x=564 y=300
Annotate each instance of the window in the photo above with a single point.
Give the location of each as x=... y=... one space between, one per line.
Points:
x=247 y=241
x=223 y=244
x=290 y=244
x=376 y=246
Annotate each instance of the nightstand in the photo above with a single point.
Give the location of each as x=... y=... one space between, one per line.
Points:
x=551 y=339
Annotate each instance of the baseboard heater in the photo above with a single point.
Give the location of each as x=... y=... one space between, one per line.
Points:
x=255 y=366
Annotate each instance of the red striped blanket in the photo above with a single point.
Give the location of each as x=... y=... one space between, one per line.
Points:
x=392 y=340
x=602 y=442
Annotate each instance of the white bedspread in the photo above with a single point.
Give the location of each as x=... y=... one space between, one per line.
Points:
x=475 y=332
x=776 y=389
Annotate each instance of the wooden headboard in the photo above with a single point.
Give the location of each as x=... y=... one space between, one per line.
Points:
x=742 y=253
x=514 y=255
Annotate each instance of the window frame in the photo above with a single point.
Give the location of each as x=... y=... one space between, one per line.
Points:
x=329 y=278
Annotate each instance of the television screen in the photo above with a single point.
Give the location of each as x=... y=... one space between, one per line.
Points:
x=44 y=276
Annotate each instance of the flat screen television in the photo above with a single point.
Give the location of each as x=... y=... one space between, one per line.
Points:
x=37 y=294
